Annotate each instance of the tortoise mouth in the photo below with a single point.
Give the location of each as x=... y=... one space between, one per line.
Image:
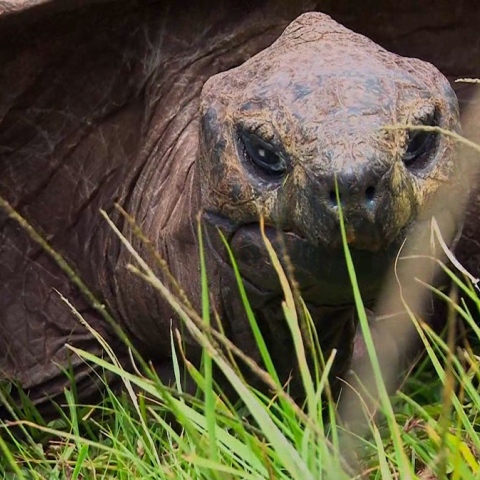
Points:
x=320 y=271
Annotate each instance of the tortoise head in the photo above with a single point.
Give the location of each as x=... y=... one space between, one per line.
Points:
x=301 y=122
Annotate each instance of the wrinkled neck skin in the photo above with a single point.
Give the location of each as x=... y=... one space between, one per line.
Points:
x=122 y=128
x=164 y=193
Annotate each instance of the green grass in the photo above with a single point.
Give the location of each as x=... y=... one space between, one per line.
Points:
x=427 y=430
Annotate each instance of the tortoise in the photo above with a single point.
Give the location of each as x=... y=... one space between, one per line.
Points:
x=237 y=111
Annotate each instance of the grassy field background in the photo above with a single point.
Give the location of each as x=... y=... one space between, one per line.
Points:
x=428 y=429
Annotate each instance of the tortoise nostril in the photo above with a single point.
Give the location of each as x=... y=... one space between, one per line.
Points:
x=370 y=193
x=333 y=197
x=350 y=196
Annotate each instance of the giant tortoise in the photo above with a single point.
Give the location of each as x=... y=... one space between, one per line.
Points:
x=236 y=110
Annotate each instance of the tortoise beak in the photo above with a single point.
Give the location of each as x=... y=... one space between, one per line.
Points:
x=319 y=270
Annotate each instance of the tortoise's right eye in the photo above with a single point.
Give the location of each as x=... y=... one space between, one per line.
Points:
x=263 y=155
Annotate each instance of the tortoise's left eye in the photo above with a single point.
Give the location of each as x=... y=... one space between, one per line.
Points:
x=263 y=155
x=421 y=145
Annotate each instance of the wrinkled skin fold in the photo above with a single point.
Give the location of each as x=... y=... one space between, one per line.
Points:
x=154 y=105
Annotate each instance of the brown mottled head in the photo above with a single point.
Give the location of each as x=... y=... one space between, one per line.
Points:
x=279 y=131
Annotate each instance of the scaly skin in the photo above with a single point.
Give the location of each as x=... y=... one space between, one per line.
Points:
x=317 y=99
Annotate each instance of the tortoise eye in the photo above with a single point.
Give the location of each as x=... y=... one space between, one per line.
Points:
x=263 y=155
x=420 y=145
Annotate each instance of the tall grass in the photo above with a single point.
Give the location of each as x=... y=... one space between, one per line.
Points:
x=429 y=430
